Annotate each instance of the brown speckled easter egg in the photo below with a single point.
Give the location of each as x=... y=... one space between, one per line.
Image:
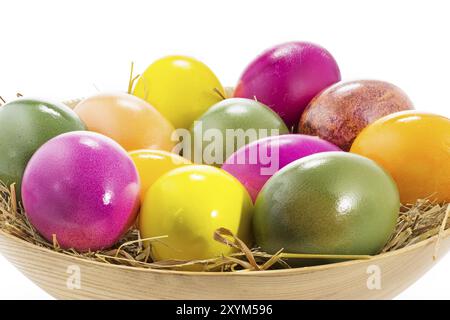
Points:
x=340 y=112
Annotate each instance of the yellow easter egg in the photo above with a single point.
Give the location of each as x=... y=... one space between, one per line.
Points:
x=187 y=205
x=179 y=87
x=152 y=164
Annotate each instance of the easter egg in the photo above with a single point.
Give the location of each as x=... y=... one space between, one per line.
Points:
x=83 y=188
x=287 y=77
x=188 y=205
x=256 y=162
x=327 y=203
x=151 y=164
x=340 y=112
x=26 y=124
x=414 y=147
x=130 y=121
x=229 y=125
x=181 y=88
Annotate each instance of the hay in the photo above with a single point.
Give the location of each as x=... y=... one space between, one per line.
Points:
x=416 y=223
x=419 y=222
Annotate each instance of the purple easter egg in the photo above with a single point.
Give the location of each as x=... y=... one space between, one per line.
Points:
x=82 y=187
x=287 y=77
x=256 y=162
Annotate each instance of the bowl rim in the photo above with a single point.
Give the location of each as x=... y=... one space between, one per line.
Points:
x=309 y=269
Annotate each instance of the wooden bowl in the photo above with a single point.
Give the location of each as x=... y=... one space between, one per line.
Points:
x=66 y=277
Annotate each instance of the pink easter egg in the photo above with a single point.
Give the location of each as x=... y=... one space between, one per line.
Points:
x=256 y=162
x=286 y=78
x=83 y=188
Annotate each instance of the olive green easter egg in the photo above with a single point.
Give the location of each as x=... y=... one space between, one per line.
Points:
x=228 y=126
x=26 y=124
x=328 y=203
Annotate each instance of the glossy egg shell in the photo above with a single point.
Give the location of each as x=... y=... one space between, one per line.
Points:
x=130 y=121
x=83 y=188
x=287 y=77
x=152 y=164
x=189 y=204
x=256 y=162
x=339 y=113
x=414 y=147
x=181 y=88
x=26 y=124
x=327 y=203
x=239 y=115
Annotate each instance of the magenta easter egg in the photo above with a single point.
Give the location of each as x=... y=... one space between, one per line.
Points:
x=287 y=77
x=83 y=188
x=255 y=163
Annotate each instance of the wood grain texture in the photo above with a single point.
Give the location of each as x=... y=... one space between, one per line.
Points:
x=347 y=280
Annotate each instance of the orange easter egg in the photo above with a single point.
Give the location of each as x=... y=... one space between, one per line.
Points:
x=414 y=147
x=129 y=120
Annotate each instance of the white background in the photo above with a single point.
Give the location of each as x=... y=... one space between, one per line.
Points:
x=67 y=49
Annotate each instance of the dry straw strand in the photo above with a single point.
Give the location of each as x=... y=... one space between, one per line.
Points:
x=220 y=94
x=132 y=79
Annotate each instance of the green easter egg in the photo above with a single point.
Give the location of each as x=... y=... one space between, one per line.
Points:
x=229 y=125
x=25 y=125
x=328 y=203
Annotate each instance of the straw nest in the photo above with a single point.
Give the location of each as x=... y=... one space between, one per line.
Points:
x=416 y=223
